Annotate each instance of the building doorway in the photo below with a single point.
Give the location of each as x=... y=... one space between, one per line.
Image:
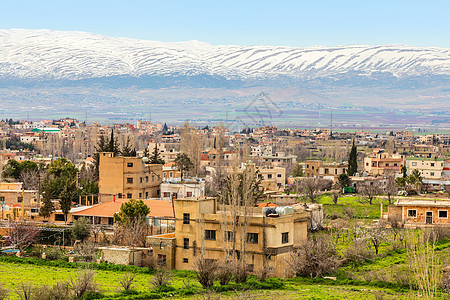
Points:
x=429 y=217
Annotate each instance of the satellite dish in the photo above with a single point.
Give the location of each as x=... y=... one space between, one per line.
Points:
x=145 y=159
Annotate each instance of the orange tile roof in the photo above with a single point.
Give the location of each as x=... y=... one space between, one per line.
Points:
x=269 y=204
x=158 y=208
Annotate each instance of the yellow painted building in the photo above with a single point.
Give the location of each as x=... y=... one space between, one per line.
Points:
x=128 y=177
x=203 y=227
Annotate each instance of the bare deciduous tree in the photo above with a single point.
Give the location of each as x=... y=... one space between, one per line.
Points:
x=161 y=278
x=30 y=179
x=206 y=271
x=4 y=292
x=225 y=273
x=84 y=283
x=25 y=291
x=369 y=190
x=315 y=257
x=311 y=186
x=376 y=235
x=23 y=233
x=127 y=281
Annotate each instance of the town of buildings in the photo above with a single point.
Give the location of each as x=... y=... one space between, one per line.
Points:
x=186 y=213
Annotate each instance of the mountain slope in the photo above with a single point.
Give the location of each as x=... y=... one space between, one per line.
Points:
x=46 y=54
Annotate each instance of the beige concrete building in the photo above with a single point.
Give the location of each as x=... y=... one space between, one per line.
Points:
x=421 y=213
x=17 y=203
x=428 y=168
x=203 y=228
x=326 y=170
x=128 y=177
x=381 y=162
x=272 y=178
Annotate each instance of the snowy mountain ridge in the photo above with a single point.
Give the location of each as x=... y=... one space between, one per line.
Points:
x=48 y=54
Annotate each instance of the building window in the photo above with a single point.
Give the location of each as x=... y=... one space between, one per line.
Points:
x=412 y=213
x=59 y=217
x=119 y=195
x=186 y=218
x=285 y=237
x=252 y=238
x=189 y=194
x=170 y=174
x=162 y=259
x=431 y=173
x=140 y=195
x=129 y=165
x=279 y=175
x=129 y=180
x=432 y=164
x=185 y=243
x=19 y=199
x=442 y=214
x=166 y=194
x=250 y=267
x=140 y=179
x=2 y=200
x=146 y=194
x=269 y=176
x=146 y=178
x=229 y=236
x=129 y=196
x=210 y=235
x=185 y=260
x=110 y=221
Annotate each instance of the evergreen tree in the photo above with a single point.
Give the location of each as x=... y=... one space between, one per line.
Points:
x=404 y=171
x=352 y=161
x=67 y=196
x=184 y=163
x=165 y=129
x=113 y=144
x=127 y=150
x=47 y=205
x=146 y=153
x=155 y=158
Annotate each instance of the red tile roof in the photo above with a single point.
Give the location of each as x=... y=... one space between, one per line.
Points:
x=158 y=208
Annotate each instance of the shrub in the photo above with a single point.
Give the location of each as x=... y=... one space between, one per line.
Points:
x=161 y=278
x=240 y=272
x=149 y=262
x=91 y=295
x=81 y=229
x=358 y=252
x=25 y=291
x=206 y=271
x=127 y=281
x=52 y=253
x=83 y=283
x=3 y=292
x=315 y=257
x=225 y=273
x=60 y=291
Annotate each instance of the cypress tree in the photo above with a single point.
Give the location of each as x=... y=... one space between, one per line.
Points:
x=352 y=161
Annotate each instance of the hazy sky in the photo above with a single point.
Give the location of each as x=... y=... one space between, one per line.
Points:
x=287 y=23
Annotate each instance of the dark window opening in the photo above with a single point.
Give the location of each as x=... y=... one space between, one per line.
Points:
x=285 y=237
x=252 y=238
x=210 y=235
x=186 y=218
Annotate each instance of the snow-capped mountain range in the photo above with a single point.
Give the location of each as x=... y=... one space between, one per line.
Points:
x=47 y=54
